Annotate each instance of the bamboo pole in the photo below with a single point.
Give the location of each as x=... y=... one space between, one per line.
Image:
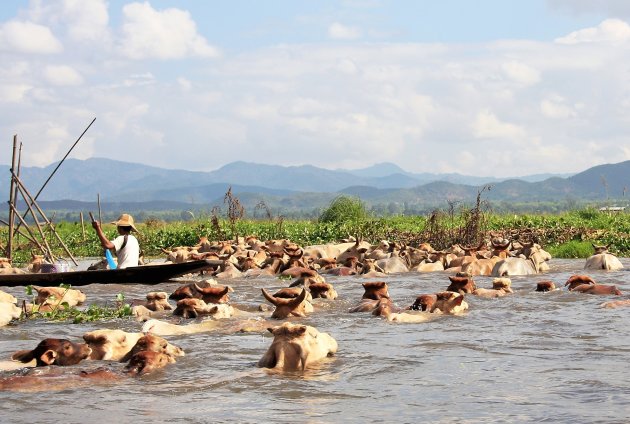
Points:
x=9 y=250
x=30 y=209
x=98 y=202
x=19 y=167
x=33 y=202
x=42 y=248
x=18 y=231
x=60 y=162
x=82 y=225
x=64 y=158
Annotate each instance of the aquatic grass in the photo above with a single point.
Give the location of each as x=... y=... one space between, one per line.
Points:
x=62 y=311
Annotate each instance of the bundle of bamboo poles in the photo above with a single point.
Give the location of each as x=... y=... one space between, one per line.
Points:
x=18 y=221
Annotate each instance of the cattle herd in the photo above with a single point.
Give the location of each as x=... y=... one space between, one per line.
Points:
x=295 y=346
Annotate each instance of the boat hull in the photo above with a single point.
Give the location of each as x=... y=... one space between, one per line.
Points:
x=146 y=274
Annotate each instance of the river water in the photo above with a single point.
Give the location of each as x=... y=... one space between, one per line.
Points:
x=543 y=357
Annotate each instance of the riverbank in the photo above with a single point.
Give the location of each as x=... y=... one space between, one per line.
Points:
x=567 y=235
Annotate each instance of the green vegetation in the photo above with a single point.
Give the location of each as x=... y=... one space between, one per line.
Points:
x=344 y=209
x=62 y=311
x=565 y=235
x=571 y=249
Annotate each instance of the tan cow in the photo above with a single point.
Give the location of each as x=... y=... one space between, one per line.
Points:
x=35 y=265
x=447 y=302
x=615 y=304
x=8 y=312
x=6 y=297
x=450 y=303
x=295 y=347
x=500 y=287
x=370 y=269
x=110 y=344
x=156 y=301
x=53 y=296
x=192 y=308
x=603 y=259
x=414 y=317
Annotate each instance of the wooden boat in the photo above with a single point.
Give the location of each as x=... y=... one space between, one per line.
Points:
x=147 y=274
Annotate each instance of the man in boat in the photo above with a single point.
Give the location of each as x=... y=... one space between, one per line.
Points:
x=125 y=246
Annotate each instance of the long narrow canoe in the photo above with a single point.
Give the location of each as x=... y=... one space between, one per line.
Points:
x=147 y=274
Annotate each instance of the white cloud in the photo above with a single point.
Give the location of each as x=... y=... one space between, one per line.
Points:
x=346 y=66
x=134 y=80
x=487 y=125
x=13 y=93
x=184 y=83
x=28 y=37
x=338 y=31
x=554 y=107
x=168 y=34
x=521 y=73
x=426 y=107
x=610 y=30
x=84 y=21
x=62 y=75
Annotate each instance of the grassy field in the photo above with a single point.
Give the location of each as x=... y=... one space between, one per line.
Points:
x=567 y=235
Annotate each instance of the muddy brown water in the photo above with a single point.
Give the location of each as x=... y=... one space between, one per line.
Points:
x=543 y=357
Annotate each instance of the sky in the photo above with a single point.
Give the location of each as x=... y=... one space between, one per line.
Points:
x=488 y=88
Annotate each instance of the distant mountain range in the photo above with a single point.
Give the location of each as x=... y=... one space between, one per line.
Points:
x=300 y=187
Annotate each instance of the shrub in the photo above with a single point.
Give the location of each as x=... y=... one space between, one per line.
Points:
x=571 y=250
x=344 y=209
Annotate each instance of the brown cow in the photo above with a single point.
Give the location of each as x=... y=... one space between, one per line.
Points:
x=600 y=289
x=292 y=293
x=545 y=286
x=147 y=361
x=424 y=302
x=209 y=288
x=323 y=290
x=51 y=351
x=577 y=280
x=295 y=347
x=153 y=343
x=461 y=284
x=375 y=290
x=141 y=363
x=286 y=307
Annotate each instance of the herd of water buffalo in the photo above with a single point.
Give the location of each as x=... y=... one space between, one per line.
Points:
x=295 y=346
